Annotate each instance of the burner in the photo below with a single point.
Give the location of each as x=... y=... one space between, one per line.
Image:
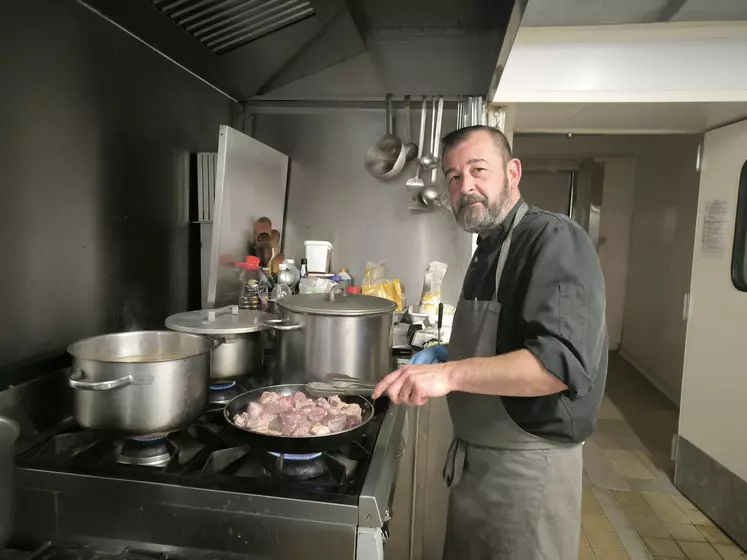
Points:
x=223 y=393
x=151 y=451
x=296 y=467
x=296 y=457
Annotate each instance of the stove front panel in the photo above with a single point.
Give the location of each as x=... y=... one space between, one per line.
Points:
x=69 y=508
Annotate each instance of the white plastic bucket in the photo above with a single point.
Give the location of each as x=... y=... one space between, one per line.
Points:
x=317 y=256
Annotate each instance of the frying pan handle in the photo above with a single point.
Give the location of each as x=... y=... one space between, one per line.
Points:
x=282 y=326
x=76 y=382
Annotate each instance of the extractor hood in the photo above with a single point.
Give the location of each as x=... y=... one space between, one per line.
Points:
x=291 y=49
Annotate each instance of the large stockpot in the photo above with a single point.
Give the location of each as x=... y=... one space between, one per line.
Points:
x=140 y=383
x=319 y=334
x=241 y=332
x=9 y=433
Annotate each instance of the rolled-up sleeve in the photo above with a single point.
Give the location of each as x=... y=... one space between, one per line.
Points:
x=562 y=320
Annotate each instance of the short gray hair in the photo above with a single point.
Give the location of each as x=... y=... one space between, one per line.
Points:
x=461 y=134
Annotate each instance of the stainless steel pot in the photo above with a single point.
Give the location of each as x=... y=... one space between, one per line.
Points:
x=319 y=334
x=140 y=383
x=9 y=433
x=240 y=330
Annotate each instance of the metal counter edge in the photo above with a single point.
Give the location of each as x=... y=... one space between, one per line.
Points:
x=378 y=487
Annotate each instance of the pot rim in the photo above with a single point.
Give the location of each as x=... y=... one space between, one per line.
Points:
x=386 y=307
x=75 y=346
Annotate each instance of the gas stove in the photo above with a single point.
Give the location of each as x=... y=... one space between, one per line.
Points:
x=203 y=490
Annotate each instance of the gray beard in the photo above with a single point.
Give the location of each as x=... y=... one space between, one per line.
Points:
x=490 y=216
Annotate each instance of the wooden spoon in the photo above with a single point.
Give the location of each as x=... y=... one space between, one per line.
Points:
x=275 y=239
x=262 y=225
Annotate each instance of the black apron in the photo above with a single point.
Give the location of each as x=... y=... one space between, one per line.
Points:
x=514 y=495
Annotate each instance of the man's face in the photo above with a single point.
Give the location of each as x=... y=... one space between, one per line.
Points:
x=482 y=187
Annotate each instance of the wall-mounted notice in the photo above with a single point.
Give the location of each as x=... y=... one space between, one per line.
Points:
x=713 y=242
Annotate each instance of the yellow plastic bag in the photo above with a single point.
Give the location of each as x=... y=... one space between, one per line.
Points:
x=375 y=284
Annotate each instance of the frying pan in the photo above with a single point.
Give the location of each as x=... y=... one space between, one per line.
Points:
x=296 y=445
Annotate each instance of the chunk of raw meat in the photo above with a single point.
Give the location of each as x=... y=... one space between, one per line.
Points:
x=303 y=429
x=280 y=405
x=298 y=416
x=268 y=397
x=352 y=409
x=335 y=423
x=320 y=430
x=290 y=420
x=255 y=410
x=316 y=414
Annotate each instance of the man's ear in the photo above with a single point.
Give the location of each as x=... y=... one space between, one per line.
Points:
x=513 y=173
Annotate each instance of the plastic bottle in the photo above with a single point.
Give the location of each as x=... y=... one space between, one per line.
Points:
x=345 y=279
x=282 y=288
x=304 y=268
x=250 y=280
x=296 y=274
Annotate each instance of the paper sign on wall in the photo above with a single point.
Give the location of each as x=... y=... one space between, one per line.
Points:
x=713 y=242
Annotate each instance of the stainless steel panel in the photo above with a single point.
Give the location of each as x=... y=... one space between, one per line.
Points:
x=332 y=197
x=378 y=489
x=250 y=183
x=61 y=507
x=96 y=133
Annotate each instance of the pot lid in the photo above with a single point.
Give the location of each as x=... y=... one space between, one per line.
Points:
x=221 y=321
x=349 y=305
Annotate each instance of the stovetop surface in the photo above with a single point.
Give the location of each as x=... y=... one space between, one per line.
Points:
x=211 y=454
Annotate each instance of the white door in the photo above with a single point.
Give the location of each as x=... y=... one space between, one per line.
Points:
x=713 y=413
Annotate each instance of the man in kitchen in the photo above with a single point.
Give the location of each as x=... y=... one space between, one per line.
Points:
x=525 y=368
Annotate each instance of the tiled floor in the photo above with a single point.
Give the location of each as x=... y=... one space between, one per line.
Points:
x=630 y=508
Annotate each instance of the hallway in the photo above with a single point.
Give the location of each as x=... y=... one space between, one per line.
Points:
x=631 y=510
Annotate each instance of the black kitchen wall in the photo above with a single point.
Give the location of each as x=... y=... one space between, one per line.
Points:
x=96 y=132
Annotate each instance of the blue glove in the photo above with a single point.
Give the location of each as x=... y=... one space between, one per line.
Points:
x=433 y=355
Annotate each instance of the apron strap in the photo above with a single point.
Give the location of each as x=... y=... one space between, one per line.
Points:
x=507 y=245
x=455 y=459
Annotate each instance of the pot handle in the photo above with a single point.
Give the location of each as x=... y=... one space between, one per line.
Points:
x=218 y=342
x=76 y=382
x=281 y=325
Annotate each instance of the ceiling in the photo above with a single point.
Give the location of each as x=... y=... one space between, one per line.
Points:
x=625 y=118
x=541 y=13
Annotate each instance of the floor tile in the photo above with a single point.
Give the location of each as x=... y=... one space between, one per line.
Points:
x=604 y=497
x=714 y=535
x=628 y=465
x=605 y=539
x=617 y=517
x=591 y=522
x=639 y=555
x=636 y=510
x=630 y=539
x=583 y=541
x=665 y=508
x=665 y=548
x=650 y=527
x=685 y=532
x=729 y=551
x=591 y=507
x=684 y=503
x=586 y=553
x=628 y=497
x=658 y=486
x=603 y=554
x=698 y=551
x=698 y=518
